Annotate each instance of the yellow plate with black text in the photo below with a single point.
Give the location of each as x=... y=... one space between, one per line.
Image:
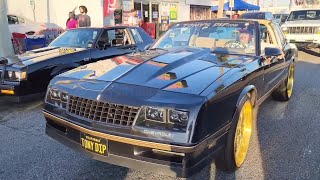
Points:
x=94 y=144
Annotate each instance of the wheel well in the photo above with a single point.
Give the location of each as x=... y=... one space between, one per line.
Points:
x=253 y=96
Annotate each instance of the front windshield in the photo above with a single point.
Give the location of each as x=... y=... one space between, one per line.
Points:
x=304 y=15
x=233 y=37
x=79 y=38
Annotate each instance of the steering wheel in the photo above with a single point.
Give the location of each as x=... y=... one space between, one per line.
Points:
x=234 y=44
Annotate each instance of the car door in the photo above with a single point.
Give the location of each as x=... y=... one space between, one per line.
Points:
x=274 y=66
x=113 y=42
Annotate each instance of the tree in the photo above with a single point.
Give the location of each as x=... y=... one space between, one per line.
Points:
x=6 y=48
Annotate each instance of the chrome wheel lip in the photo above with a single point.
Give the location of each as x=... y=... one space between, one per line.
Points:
x=243 y=133
x=290 y=81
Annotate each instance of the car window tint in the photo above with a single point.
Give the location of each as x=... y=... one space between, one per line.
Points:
x=136 y=35
x=114 y=37
x=279 y=34
x=12 y=19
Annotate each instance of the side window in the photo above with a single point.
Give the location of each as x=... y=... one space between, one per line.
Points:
x=114 y=37
x=265 y=35
x=269 y=16
x=279 y=34
x=12 y=19
x=136 y=36
x=21 y=20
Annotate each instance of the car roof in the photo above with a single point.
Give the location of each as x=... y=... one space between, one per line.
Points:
x=317 y=9
x=259 y=12
x=106 y=27
x=220 y=19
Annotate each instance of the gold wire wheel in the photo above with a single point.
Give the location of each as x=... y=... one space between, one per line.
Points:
x=243 y=133
x=290 y=81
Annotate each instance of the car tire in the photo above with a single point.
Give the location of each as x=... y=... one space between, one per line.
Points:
x=285 y=89
x=238 y=137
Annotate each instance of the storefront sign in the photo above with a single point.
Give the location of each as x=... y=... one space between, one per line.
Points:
x=109 y=6
x=173 y=11
x=165 y=9
x=165 y=19
x=127 y=6
x=155 y=15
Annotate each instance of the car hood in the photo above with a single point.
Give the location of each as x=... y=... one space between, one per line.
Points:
x=302 y=23
x=39 y=55
x=188 y=70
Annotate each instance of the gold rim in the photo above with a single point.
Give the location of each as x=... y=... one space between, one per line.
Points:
x=290 y=81
x=243 y=133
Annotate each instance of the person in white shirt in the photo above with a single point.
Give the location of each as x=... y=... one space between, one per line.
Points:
x=133 y=20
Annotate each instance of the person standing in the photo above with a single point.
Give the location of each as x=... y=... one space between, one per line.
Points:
x=133 y=20
x=72 y=22
x=235 y=15
x=83 y=19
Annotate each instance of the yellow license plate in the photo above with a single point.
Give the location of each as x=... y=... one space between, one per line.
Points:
x=94 y=144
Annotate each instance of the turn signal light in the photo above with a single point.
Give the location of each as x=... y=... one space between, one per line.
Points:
x=10 y=92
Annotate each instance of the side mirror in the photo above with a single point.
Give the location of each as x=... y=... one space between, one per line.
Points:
x=270 y=51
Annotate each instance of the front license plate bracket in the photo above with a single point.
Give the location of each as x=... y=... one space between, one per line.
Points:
x=94 y=144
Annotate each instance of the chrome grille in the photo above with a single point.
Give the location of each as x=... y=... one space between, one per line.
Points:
x=101 y=111
x=302 y=30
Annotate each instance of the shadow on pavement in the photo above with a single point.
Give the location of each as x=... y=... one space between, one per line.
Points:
x=288 y=131
x=314 y=52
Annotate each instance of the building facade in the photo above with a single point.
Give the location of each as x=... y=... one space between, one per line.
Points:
x=111 y=12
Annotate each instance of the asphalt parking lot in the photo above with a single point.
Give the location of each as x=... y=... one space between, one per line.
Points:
x=285 y=144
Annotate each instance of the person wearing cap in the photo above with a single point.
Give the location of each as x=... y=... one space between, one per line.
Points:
x=245 y=37
x=133 y=20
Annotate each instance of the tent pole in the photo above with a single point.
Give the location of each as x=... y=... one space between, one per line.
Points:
x=220 y=9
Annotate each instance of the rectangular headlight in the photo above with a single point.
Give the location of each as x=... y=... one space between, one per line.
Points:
x=155 y=114
x=57 y=97
x=16 y=75
x=178 y=117
x=171 y=116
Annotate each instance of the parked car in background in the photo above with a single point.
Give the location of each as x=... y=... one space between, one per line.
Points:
x=26 y=76
x=175 y=107
x=257 y=15
x=303 y=28
x=280 y=18
x=23 y=25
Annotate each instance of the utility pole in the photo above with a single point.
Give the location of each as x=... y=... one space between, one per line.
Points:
x=6 y=48
x=220 y=9
x=290 y=6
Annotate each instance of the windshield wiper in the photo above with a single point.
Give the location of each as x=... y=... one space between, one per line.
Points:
x=158 y=49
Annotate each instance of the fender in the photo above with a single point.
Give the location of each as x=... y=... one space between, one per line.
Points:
x=244 y=92
x=60 y=69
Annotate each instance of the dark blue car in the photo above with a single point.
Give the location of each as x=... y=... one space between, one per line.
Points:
x=26 y=76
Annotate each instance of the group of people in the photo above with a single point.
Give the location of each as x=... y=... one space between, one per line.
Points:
x=83 y=19
x=80 y=20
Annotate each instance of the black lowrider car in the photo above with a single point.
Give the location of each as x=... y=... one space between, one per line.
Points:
x=23 y=77
x=175 y=107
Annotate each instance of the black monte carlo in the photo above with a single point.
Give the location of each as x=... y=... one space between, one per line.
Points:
x=27 y=76
x=174 y=108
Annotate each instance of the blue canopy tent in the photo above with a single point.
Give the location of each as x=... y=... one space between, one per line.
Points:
x=239 y=5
